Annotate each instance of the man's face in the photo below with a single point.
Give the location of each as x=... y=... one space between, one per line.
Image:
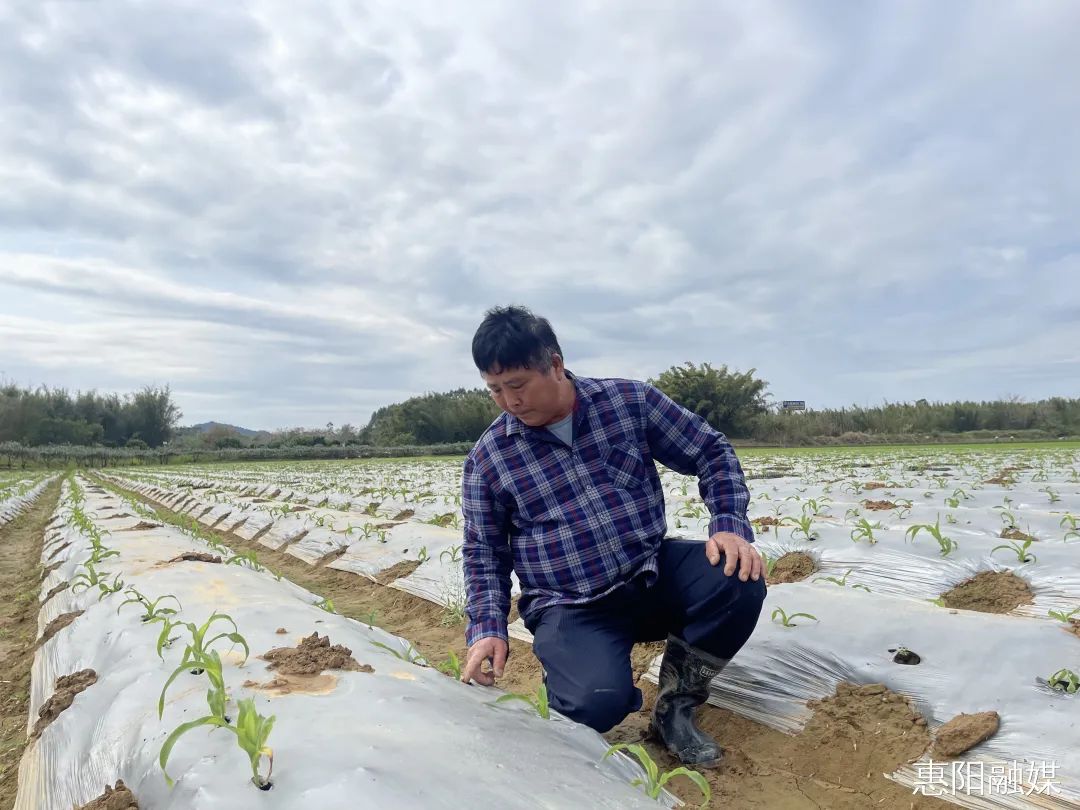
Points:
x=530 y=395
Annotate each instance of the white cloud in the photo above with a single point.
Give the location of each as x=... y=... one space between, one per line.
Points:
x=296 y=218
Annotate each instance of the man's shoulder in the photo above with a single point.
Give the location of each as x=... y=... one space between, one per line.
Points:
x=612 y=386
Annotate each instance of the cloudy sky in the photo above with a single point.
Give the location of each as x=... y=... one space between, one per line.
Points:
x=294 y=214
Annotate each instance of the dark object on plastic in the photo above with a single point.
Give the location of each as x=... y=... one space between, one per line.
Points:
x=905 y=656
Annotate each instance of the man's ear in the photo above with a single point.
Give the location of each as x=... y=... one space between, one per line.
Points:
x=557 y=366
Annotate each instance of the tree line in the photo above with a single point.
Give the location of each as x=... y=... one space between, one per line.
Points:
x=734 y=402
x=34 y=417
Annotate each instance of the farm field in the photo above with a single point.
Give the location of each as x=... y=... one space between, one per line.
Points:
x=907 y=586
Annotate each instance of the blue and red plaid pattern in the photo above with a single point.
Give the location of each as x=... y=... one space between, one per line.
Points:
x=575 y=522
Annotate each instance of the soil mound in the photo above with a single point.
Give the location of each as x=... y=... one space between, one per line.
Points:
x=792 y=567
x=990 y=592
x=67 y=687
x=312 y=656
x=114 y=798
x=965 y=731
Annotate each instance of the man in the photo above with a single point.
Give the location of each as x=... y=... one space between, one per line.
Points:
x=563 y=490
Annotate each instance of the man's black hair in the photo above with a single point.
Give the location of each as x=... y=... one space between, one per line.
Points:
x=512 y=337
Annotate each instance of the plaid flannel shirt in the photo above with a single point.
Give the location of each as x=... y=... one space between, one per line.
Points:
x=576 y=522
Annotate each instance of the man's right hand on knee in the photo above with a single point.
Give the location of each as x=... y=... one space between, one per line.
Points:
x=490 y=649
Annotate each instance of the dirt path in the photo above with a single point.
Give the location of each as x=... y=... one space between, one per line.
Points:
x=20 y=576
x=836 y=762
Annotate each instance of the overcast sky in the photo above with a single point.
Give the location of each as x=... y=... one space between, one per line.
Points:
x=297 y=213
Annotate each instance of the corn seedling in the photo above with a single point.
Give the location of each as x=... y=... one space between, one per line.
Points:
x=454 y=553
x=1061 y=615
x=90 y=578
x=199 y=646
x=1064 y=680
x=1008 y=519
x=786 y=619
x=946 y=544
x=1020 y=549
x=852 y=513
x=451 y=666
x=164 y=639
x=655 y=781
x=151 y=611
x=248 y=559
x=423 y=556
x=903 y=508
x=208 y=664
x=369 y=620
x=408 y=655
x=802 y=524
x=841 y=581
x=539 y=703
x=326 y=604
x=1070 y=523
x=768 y=562
x=864 y=530
x=252 y=730
x=1051 y=494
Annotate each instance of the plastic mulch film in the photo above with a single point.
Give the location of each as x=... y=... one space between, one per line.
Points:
x=401 y=735
x=781 y=668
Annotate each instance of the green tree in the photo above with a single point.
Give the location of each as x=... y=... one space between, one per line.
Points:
x=729 y=401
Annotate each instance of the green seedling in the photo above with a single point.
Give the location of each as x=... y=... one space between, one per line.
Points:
x=106 y=589
x=1064 y=680
x=326 y=604
x=252 y=730
x=90 y=578
x=164 y=639
x=1008 y=519
x=769 y=563
x=1061 y=615
x=903 y=508
x=248 y=559
x=208 y=664
x=539 y=703
x=864 y=530
x=454 y=554
x=409 y=654
x=786 y=619
x=841 y=581
x=1020 y=549
x=151 y=611
x=1071 y=524
x=655 y=781
x=451 y=666
x=199 y=645
x=101 y=553
x=423 y=556
x=802 y=524
x=370 y=618
x=946 y=544
x=1051 y=494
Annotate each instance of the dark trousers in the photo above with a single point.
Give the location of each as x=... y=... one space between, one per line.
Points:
x=585 y=649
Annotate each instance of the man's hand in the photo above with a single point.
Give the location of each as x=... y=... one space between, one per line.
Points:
x=490 y=649
x=737 y=552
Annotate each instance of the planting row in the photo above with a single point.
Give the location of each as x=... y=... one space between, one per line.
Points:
x=195 y=683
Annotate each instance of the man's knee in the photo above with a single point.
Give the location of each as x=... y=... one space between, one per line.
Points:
x=597 y=704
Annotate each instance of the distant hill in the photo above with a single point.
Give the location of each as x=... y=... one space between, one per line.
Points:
x=203 y=427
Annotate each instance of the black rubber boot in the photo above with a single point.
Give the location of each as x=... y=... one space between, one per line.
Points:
x=685 y=673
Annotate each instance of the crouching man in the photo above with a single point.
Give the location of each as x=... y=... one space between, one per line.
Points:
x=562 y=490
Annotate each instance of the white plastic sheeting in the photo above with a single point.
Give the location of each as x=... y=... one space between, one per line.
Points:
x=14 y=505
x=403 y=736
x=971 y=662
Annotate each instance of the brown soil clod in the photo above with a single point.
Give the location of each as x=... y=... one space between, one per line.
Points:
x=857 y=712
x=114 y=798
x=196 y=556
x=989 y=592
x=874 y=485
x=67 y=687
x=763 y=523
x=313 y=655
x=404 y=514
x=63 y=586
x=117 y=516
x=58 y=624
x=46 y=571
x=141 y=525
x=397 y=571
x=878 y=506
x=964 y=732
x=58 y=550
x=1013 y=533
x=281 y=631
x=794 y=566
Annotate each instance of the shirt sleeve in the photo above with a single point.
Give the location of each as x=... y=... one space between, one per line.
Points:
x=688 y=444
x=486 y=558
